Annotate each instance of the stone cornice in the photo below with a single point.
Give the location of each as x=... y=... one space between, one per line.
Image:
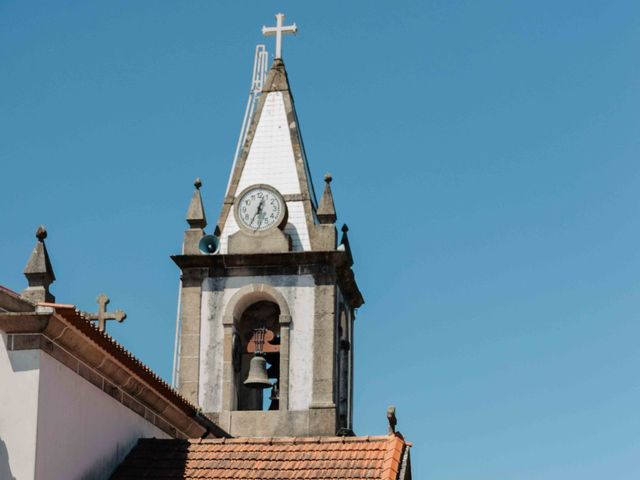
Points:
x=220 y=265
x=10 y=301
x=72 y=340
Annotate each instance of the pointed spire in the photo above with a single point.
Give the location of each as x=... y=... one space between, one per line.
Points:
x=344 y=242
x=196 y=220
x=273 y=154
x=327 y=210
x=39 y=271
x=195 y=215
x=277 y=80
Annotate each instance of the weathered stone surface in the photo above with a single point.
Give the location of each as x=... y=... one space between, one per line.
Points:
x=188 y=371
x=273 y=242
x=322 y=421
x=188 y=368
x=279 y=423
x=189 y=390
x=90 y=375
x=324 y=236
x=59 y=354
x=192 y=237
x=195 y=214
x=326 y=209
x=39 y=272
x=26 y=342
x=190 y=345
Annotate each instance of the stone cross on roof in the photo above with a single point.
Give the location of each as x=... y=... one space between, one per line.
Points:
x=102 y=316
x=278 y=31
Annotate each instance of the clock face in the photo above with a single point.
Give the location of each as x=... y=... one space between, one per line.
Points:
x=260 y=208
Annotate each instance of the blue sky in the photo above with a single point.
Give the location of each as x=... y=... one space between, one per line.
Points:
x=484 y=154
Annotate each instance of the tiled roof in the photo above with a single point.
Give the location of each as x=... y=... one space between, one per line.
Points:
x=336 y=458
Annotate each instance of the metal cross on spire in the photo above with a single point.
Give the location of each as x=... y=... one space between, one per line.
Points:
x=278 y=31
x=102 y=316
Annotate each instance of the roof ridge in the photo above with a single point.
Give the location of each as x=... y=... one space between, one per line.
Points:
x=297 y=440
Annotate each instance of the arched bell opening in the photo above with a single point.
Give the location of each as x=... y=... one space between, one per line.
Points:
x=256 y=357
x=237 y=318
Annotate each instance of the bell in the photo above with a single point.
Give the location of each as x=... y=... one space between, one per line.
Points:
x=257 y=377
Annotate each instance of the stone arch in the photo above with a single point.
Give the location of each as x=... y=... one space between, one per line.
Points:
x=250 y=294
x=233 y=311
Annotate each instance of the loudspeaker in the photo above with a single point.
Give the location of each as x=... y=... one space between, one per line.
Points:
x=209 y=245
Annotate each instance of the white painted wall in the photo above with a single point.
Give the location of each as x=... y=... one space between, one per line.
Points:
x=297 y=227
x=82 y=431
x=54 y=424
x=19 y=377
x=299 y=292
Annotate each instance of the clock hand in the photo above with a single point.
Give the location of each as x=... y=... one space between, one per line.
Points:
x=261 y=216
x=254 y=217
x=258 y=210
x=261 y=219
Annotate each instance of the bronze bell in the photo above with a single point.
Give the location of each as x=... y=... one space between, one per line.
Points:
x=257 y=377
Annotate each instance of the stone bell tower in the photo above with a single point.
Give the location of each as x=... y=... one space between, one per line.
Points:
x=271 y=292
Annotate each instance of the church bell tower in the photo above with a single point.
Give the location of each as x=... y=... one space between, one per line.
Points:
x=268 y=297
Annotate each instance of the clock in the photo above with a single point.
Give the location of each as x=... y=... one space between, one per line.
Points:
x=260 y=208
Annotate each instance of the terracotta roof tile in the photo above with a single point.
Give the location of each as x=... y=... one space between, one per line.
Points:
x=336 y=458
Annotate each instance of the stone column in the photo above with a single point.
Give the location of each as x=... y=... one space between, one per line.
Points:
x=285 y=321
x=322 y=415
x=189 y=353
x=228 y=374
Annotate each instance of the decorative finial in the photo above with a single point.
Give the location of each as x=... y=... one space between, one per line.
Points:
x=278 y=31
x=41 y=233
x=39 y=271
x=391 y=418
x=195 y=214
x=344 y=243
x=326 y=209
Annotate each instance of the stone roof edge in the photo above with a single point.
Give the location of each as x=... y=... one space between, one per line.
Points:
x=13 y=302
x=405 y=466
x=65 y=326
x=394 y=440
